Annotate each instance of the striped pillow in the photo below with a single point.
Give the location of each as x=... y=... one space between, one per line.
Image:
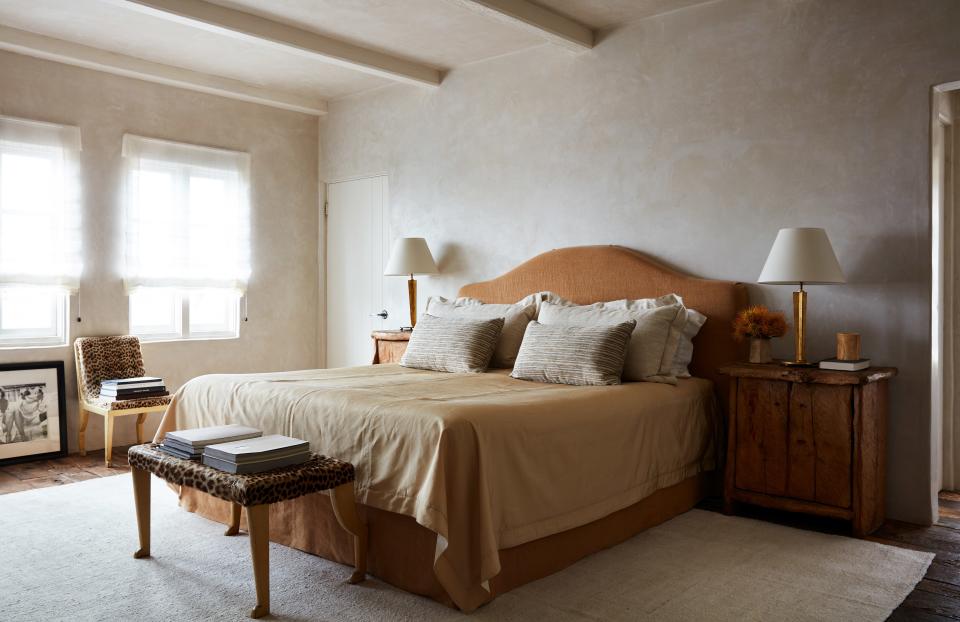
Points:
x=515 y=320
x=452 y=344
x=577 y=355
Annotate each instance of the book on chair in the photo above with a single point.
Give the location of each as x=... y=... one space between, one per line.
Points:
x=128 y=388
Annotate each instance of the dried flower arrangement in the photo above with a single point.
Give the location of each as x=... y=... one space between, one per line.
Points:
x=759 y=321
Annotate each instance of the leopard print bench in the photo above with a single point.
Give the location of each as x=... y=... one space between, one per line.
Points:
x=318 y=474
x=255 y=492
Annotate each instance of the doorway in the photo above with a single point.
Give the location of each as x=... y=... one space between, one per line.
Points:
x=356 y=252
x=945 y=307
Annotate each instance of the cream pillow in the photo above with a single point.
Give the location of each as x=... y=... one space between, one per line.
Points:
x=681 y=362
x=515 y=319
x=683 y=331
x=689 y=323
x=653 y=343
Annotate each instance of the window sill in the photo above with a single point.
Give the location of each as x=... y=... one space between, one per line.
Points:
x=144 y=339
x=33 y=346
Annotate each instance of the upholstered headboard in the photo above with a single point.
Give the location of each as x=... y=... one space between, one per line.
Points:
x=588 y=274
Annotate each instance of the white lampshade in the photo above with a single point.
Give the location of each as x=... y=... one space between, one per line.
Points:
x=801 y=255
x=410 y=256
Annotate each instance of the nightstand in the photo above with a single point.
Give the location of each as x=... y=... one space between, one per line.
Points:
x=808 y=440
x=389 y=345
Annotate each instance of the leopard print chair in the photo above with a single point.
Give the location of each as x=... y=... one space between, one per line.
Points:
x=105 y=358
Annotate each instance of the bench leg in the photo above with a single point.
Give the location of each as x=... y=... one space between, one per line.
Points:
x=234 y=527
x=345 y=509
x=82 y=434
x=258 y=523
x=141 y=496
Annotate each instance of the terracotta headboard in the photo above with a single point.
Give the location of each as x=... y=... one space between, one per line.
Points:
x=588 y=274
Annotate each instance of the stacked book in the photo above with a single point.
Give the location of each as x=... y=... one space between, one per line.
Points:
x=256 y=455
x=189 y=444
x=131 y=388
x=845 y=364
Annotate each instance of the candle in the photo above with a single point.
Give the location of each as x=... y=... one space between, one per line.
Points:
x=848 y=346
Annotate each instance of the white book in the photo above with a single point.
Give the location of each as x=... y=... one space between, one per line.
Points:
x=113 y=388
x=255 y=467
x=202 y=437
x=255 y=449
x=838 y=365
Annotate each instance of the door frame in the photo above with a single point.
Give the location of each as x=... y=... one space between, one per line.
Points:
x=322 y=251
x=944 y=305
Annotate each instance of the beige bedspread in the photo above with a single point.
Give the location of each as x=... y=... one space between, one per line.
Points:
x=485 y=461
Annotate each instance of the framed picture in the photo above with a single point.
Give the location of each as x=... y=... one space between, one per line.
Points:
x=33 y=412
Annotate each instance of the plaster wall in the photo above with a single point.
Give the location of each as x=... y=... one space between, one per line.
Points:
x=282 y=330
x=694 y=136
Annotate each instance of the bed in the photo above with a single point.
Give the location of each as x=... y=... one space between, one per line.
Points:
x=474 y=484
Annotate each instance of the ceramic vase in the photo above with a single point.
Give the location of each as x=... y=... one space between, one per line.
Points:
x=760 y=350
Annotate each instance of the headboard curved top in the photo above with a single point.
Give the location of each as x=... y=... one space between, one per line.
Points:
x=588 y=274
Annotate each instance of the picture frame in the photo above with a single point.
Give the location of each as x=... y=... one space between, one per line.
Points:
x=33 y=412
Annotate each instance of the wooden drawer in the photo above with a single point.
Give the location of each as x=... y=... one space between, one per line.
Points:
x=390 y=351
x=389 y=345
x=795 y=440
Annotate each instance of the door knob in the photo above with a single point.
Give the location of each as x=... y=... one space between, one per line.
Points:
x=383 y=314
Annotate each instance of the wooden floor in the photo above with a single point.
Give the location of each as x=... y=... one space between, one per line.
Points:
x=73 y=468
x=936 y=598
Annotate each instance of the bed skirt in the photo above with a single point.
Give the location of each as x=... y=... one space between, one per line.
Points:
x=401 y=551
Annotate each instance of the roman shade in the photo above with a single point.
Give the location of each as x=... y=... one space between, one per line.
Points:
x=39 y=204
x=187 y=215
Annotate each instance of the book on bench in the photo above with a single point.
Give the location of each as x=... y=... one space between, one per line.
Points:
x=189 y=444
x=256 y=455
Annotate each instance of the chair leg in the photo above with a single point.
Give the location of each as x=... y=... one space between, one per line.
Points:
x=108 y=439
x=258 y=523
x=234 y=527
x=82 y=435
x=345 y=509
x=140 y=419
x=141 y=496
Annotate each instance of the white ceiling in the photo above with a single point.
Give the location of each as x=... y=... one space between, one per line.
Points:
x=603 y=14
x=438 y=34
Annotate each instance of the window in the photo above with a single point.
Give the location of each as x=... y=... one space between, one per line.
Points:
x=187 y=246
x=39 y=231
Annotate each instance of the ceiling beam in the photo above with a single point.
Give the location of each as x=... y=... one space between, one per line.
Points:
x=48 y=48
x=245 y=26
x=536 y=19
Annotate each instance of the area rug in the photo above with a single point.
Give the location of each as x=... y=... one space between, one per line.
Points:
x=66 y=554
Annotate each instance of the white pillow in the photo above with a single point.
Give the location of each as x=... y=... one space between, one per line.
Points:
x=653 y=343
x=681 y=362
x=689 y=324
x=684 y=334
x=516 y=317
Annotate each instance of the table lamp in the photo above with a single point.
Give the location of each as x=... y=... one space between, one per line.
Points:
x=411 y=256
x=801 y=256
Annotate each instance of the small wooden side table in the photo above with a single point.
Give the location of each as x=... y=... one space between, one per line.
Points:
x=389 y=345
x=811 y=440
x=255 y=492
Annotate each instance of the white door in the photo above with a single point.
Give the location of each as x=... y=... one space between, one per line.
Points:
x=356 y=243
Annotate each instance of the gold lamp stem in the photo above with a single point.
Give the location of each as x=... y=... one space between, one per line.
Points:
x=412 y=294
x=800 y=326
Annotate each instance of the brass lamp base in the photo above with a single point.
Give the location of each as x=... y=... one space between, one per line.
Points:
x=412 y=295
x=800 y=330
x=798 y=364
